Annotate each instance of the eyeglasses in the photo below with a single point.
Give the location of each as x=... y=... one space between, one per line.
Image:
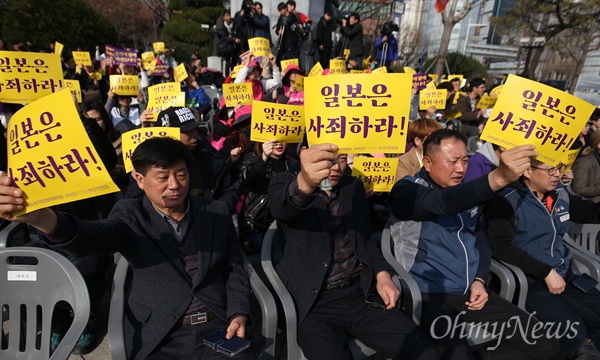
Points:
x=552 y=170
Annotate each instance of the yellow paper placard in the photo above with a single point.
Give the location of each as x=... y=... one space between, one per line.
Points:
x=452 y=76
x=28 y=76
x=259 y=46
x=148 y=56
x=159 y=47
x=346 y=54
x=337 y=66
x=428 y=98
x=272 y=121
x=434 y=77
x=430 y=86
x=234 y=93
x=361 y=114
x=133 y=138
x=180 y=73
x=569 y=159
x=452 y=114
x=457 y=95
x=163 y=88
x=58 y=47
x=82 y=57
x=353 y=71
x=300 y=82
x=376 y=173
x=409 y=70
x=497 y=90
x=75 y=88
x=382 y=70
x=316 y=70
x=124 y=84
x=529 y=112
x=162 y=101
x=53 y=161
x=235 y=71
x=286 y=63
x=486 y=102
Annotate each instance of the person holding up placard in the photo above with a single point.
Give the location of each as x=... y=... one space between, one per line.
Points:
x=251 y=71
x=472 y=118
x=124 y=116
x=289 y=94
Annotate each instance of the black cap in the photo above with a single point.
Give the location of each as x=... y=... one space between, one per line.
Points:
x=180 y=117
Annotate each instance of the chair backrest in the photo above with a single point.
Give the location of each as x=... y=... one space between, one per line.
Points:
x=586 y=235
x=32 y=282
x=9 y=233
x=116 y=315
x=270 y=240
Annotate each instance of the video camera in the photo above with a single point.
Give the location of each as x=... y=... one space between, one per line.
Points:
x=388 y=28
x=247 y=8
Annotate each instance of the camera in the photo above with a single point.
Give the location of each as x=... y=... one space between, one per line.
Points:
x=247 y=8
x=388 y=28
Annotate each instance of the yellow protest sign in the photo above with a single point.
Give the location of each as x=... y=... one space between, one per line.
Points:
x=486 y=102
x=409 y=70
x=234 y=93
x=180 y=73
x=147 y=56
x=452 y=114
x=300 y=82
x=75 y=88
x=337 y=66
x=259 y=46
x=529 y=112
x=361 y=114
x=430 y=86
x=159 y=47
x=163 y=88
x=124 y=84
x=457 y=95
x=376 y=173
x=437 y=98
x=235 y=71
x=346 y=54
x=50 y=156
x=453 y=76
x=354 y=71
x=162 y=101
x=271 y=121
x=434 y=77
x=497 y=90
x=58 y=48
x=82 y=57
x=569 y=159
x=132 y=138
x=316 y=70
x=27 y=76
x=286 y=63
x=382 y=70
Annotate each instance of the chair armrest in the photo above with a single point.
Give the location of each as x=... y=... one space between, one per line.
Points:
x=8 y=232
x=507 y=280
x=116 y=316
x=522 y=283
x=587 y=259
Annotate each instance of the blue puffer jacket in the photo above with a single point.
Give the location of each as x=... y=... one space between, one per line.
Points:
x=434 y=233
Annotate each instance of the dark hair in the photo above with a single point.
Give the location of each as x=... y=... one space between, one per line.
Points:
x=291 y=2
x=329 y=12
x=434 y=140
x=97 y=105
x=355 y=15
x=226 y=11
x=446 y=85
x=421 y=128
x=281 y=6
x=476 y=82
x=160 y=152
x=454 y=79
x=258 y=4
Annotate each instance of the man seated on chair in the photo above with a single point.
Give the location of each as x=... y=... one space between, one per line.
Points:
x=434 y=218
x=526 y=224
x=331 y=264
x=188 y=277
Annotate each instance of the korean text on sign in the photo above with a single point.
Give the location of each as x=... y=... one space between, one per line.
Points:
x=133 y=138
x=28 y=76
x=286 y=63
x=82 y=57
x=420 y=80
x=529 y=112
x=237 y=93
x=75 y=88
x=180 y=73
x=337 y=66
x=487 y=102
x=316 y=70
x=376 y=173
x=361 y=114
x=126 y=57
x=271 y=121
x=259 y=46
x=158 y=47
x=163 y=101
x=124 y=84
x=50 y=156
x=569 y=159
x=436 y=97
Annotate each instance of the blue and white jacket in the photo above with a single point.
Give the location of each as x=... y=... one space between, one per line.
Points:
x=434 y=232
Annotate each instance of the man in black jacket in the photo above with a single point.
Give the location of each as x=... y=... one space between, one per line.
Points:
x=353 y=31
x=324 y=40
x=332 y=266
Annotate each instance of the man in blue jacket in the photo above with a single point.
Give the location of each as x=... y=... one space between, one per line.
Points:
x=387 y=49
x=435 y=216
x=526 y=225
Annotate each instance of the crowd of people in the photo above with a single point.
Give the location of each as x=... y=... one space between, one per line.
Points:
x=456 y=204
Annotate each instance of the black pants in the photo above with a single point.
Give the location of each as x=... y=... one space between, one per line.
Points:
x=340 y=314
x=185 y=342
x=443 y=315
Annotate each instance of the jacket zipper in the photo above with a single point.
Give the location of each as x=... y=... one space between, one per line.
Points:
x=462 y=225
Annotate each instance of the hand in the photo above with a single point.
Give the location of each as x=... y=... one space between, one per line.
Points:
x=111 y=93
x=386 y=288
x=481 y=112
x=237 y=40
x=237 y=106
x=146 y=117
x=273 y=60
x=384 y=38
x=480 y=128
x=567 y=177
x=235 y=154
x=12 y=199
x=478 y=296
x=430 y=111
x=237 y=327
x=321 y=47
x=268 y=149
x=195 y=85
x=315 y=163
x=97 y=47
x=556 y=284
x=369 y=192
x=513 y=163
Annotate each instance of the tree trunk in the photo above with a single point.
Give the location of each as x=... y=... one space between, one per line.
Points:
x=443 y=51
